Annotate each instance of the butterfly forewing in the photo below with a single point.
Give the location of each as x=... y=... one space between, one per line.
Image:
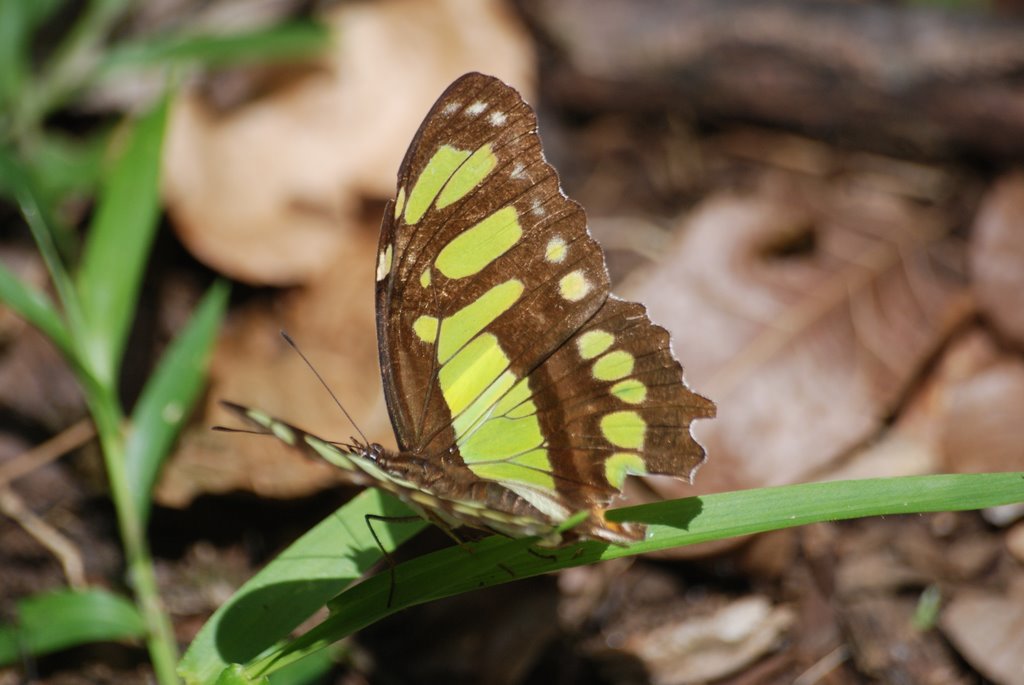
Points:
x=485 y=266
x=501 y=350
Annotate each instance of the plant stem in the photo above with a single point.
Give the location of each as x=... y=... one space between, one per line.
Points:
x=161 y=643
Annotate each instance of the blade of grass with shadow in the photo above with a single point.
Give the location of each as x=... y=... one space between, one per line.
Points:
x=115 y=255
x=331 y=556
x=16 y=180
x=670 y=524
x=291 y=41
x=36 y=308
x=53 y=621
x=168 y=396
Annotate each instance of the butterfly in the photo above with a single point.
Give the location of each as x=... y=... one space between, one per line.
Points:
x=521 y=392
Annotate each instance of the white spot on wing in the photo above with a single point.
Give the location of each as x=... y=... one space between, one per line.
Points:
x=517 y=170
x=451 y=108
x=478 y=107
x=556 y=250
x=497 y=118
x=536 y=208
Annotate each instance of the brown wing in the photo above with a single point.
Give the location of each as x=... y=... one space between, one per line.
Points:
x=478 y=212
x=612 y=402
x=500 y=347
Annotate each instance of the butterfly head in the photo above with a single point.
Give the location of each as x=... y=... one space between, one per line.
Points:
x=373 y=451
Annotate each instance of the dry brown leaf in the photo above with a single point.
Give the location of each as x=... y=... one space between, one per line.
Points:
x=697 y=649
x=887 y=646
x=997 y=256
x=914 y=444
x=805 y=319
x=332 y=320
x=1015 y=542
x=987 y=628
x=984 y=431
x=964 y=418
x=267 y=193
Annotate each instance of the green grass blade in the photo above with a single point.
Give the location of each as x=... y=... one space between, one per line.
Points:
x=671 y=524
x=18 y=19
x=168 y=396
x=118 y=246
x=54 y=621
x=236 y=675
x=293 y=40
x=15 y=35
x=16 y=180
x=67 y=166
x=36 y=308
x=324 y=561
x=312 y=669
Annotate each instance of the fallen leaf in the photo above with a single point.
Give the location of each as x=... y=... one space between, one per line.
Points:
x=914 y=444
x=805 y=318
x=332 y=320
x=997 y=256
x=268 y=192
x=886 y=646
x=697 y=649
x=1015 y=542
x=984 y=431
x=987 y=628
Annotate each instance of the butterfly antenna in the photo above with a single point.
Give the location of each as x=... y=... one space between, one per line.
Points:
x=288 y=339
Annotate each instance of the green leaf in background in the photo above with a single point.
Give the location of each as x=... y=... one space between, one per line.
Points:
x=36 y=308
x=674 y=523
x=330 y=557
x=16 y=180
x=293 y=40
x=53 y=621
x=18 y=19
x=168 y=396
x=118 y=246
x=68 y=166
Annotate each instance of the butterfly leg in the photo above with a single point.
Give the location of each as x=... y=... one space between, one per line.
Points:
x=540 y=555
x=387 y=556
x=467 y=549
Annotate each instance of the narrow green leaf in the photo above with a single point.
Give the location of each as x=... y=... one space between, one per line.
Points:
x=118 y=246
x=66 y=165
x=14 y=38
x=293 y=40
x=53 y=621
x=18 y=19
x=236 y=675
x=312 y=669
x=36 y=308
x=929 y=606
x=17 y=180
x=168 y=396
x=330 y=557
x=671 y=524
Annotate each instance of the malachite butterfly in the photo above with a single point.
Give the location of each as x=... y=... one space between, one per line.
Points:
x=521 y=392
